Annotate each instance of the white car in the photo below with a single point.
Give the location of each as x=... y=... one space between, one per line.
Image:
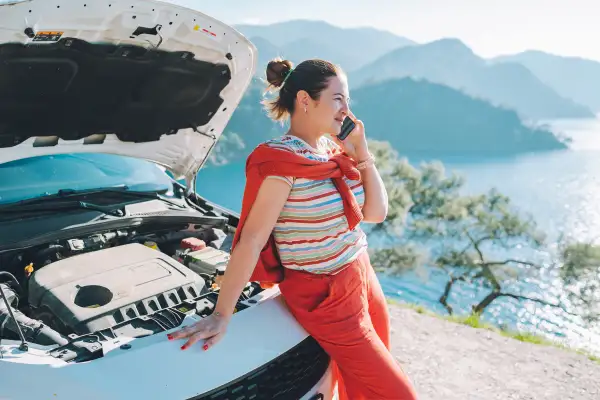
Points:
x=105 y=107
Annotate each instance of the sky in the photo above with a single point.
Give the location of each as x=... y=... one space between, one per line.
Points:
x=489 y=27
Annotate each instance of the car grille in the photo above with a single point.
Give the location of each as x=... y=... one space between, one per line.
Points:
x=289 y=376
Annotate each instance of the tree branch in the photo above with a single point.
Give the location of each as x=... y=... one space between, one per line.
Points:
x=475 y=245
x=539 y=301
x=449 y=284
x=508 y=261
x=479 y=241
x=487 y=272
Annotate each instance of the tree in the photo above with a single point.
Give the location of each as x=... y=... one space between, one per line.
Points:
x=580 y=273
x=432 y=221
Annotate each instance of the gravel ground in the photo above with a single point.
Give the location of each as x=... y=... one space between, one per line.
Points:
x=447 y=360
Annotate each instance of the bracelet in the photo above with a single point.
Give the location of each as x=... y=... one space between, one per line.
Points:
x=366 y=163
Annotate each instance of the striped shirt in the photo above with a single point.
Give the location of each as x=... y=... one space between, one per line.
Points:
x=312 y=233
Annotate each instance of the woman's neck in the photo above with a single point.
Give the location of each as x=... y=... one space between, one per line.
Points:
x=305 y=134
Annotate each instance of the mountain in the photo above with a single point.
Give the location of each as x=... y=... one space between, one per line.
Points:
x=296 y=52
x=452 y=63
x=573 y=77
x=302 y=39
x=427 y=118
x=416 y=117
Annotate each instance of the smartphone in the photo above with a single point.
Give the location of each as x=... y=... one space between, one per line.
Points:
x=347 y=126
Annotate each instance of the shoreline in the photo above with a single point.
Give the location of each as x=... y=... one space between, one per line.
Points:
x=449 y=359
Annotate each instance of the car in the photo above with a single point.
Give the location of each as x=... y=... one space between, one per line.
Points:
x=109 y=109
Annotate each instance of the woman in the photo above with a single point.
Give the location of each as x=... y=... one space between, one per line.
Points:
x=305 y=196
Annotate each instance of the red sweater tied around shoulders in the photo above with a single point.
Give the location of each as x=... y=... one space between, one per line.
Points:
x=267 y=161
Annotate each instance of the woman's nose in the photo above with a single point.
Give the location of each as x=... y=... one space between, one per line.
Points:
x=345 y=109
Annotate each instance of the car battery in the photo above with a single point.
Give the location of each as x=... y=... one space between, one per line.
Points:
x=192 y=243
x=207 y=260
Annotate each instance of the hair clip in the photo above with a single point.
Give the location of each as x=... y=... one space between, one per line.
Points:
x=286 y=77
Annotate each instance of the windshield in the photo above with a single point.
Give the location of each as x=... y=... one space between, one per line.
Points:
x=36 y=176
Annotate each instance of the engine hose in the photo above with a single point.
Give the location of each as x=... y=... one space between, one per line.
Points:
x=15 y=280
x=34 y=331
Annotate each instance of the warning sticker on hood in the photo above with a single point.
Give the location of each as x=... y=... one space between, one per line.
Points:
x=47 y=36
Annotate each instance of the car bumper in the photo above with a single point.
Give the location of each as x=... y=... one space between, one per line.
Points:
x=325 y=389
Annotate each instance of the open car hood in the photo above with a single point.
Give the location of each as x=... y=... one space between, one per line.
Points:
x=138 y=78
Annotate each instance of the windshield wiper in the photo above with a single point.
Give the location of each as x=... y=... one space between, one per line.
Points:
x=114 y=210
x=122 y=191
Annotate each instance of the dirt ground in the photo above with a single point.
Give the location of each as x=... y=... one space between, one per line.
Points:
x=447 y=360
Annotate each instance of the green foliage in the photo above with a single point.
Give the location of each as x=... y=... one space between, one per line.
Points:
x=458 y=233
x=528 y=338
x=473 y=320
x=580 y=273
x=397 y=260
x=580 y=261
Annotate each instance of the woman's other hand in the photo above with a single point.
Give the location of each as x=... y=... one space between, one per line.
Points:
x=263 y=215
x=210 y=329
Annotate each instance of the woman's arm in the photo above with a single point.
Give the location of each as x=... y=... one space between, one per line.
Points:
x=259 y=224
x=375 y=208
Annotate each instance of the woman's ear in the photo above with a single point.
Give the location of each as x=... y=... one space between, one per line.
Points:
x=303 y=98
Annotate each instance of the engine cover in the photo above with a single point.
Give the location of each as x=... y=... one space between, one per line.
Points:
x=97 y=290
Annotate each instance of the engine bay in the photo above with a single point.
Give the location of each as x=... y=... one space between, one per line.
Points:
x=97 y=290
x=76 y=293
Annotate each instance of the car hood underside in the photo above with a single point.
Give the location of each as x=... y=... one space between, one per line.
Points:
x=140 y=78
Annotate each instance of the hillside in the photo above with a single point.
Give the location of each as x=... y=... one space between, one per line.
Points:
x=302 y=39
x=422 y=117
x=573 y=77
x=416 y=117
x=450 y=62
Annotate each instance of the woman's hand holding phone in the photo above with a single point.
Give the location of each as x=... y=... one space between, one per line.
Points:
x=355 y=142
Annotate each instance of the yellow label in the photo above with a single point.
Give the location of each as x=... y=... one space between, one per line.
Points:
x=47 y=36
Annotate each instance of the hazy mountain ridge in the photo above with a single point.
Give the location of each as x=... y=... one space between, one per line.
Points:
x=301 y=39
x=450 y=62
x=535 y=84
x=574 y=77
x=437 y=98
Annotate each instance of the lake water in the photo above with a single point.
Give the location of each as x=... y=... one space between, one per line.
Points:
x=560 y=189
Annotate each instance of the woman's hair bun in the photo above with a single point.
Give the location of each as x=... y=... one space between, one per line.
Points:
x=277 y=70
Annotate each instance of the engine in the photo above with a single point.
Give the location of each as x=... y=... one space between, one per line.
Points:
x=95 y=291
x=77 y=293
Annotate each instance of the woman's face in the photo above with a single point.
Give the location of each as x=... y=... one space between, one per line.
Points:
x=329 y=111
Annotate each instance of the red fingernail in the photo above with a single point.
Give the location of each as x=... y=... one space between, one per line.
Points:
x=169 y=337
x=183 y=347
x=205 y=347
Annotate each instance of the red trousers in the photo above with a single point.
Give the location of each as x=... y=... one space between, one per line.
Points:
x=347 y=314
